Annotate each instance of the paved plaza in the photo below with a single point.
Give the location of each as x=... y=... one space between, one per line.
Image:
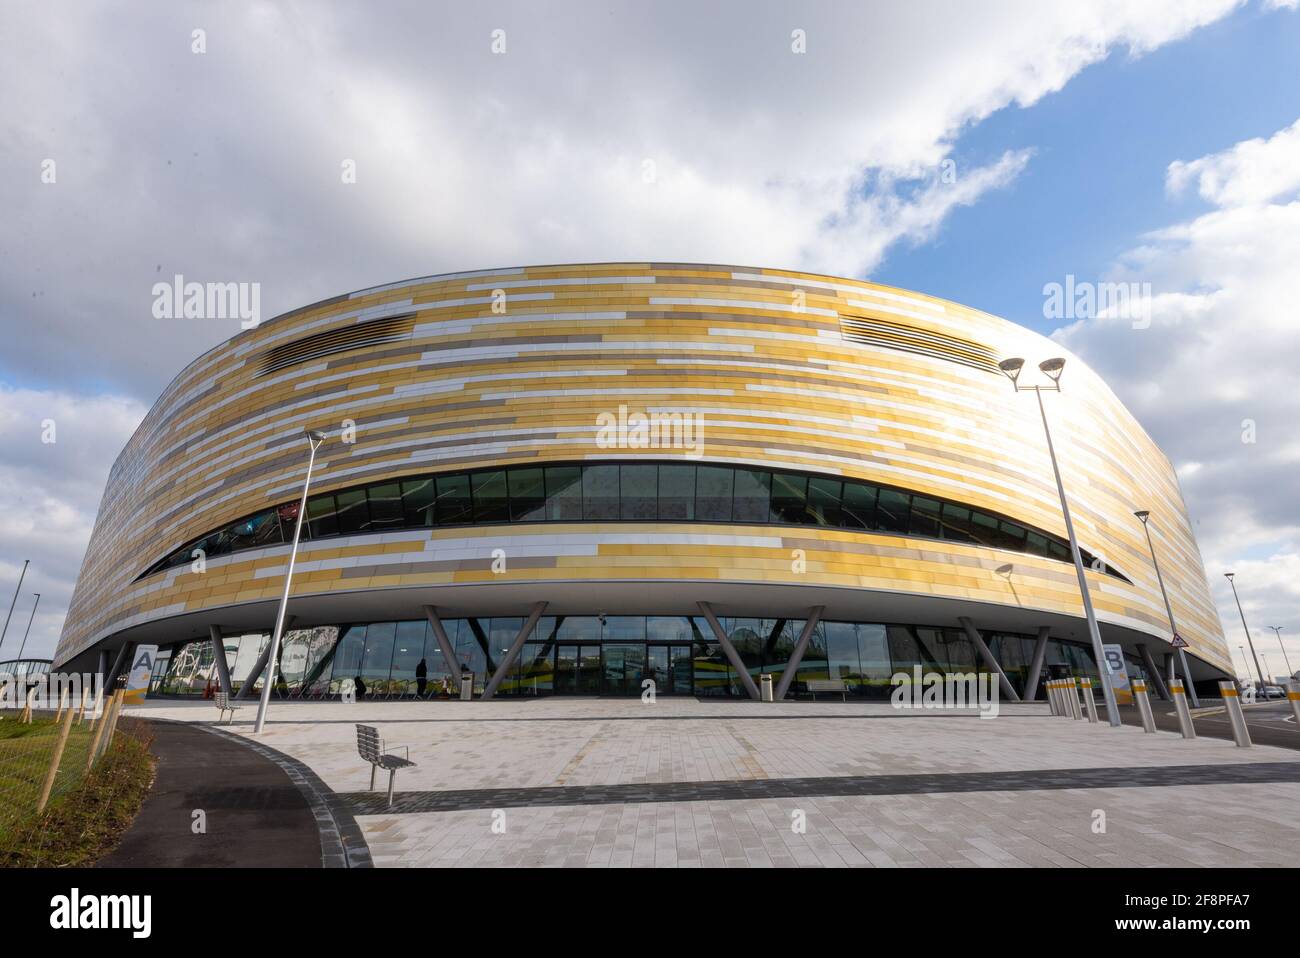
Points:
x=682 y=782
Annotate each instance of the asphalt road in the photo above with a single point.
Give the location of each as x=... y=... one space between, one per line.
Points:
x=253 y=815
x=1270 y=723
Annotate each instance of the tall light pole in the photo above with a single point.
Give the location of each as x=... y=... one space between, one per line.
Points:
x=14 y=602
x=1052 y=369
x=1145 y=515
x=1249 y=641
x=314 y=439
x=29 y=625
x=1277 y=630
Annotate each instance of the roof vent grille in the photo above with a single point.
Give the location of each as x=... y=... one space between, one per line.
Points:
x=372 y=333
x=923 y=342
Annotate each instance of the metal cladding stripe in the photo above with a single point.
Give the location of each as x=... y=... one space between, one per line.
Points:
x=514 y=365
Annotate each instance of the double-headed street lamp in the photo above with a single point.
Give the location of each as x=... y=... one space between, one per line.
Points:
x=1249 y=640
x=314 y=438
x=1277 y=630
x=1145 y=515
x=1052 y=369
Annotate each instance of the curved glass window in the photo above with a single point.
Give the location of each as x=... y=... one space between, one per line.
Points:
x=638 y=491
x=612 y=655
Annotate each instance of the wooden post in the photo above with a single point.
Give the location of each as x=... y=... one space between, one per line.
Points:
x=55 y=759
x=99 y=731
x=63 y=696
x=81 y=712
x=27 y=711
x=112 y=726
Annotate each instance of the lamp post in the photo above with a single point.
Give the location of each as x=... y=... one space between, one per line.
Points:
x=1145 y=515
x=1052 y=369
x=1249 y=641
x=1277 y=630
x=29 y=625
x=314 y=439
x=1245 y=658
x=14 y=602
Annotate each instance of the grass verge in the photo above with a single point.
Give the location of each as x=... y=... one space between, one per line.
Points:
x=84 y=823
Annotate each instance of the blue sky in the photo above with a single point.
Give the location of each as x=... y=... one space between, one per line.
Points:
x=1102 y=144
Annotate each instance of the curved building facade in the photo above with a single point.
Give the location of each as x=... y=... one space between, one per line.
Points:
x=568 y=479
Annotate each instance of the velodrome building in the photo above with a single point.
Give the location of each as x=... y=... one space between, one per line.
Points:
x=568 y=479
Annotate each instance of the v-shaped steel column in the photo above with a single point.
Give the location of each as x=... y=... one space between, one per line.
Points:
x=503 y=668
x=1036 y=664
x=1157 y=679
x=260 y=664
x=987 y=655
x=796 y=654
x=730 y=651
x=444 y=643
x=219 y=657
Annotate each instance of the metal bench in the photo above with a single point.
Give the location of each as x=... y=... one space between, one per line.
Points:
x=373 y=750
x=224 y=704
x=826 y=685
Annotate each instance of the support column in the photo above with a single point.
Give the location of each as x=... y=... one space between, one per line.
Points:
x=111 y=679
x=796 y=655
x=973 y=634
x=219 y=657
x=503 y=669
x=260 y=664
x=1187 y=679
x=1157 y=679
x=730 y=651
x=1036 y=664
x=444 y=644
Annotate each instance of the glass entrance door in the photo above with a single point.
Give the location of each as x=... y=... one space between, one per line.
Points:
x=657 y=669
x=624 y=666
x=589 y=670
x=577 y=670
x=681 y=669
x=566 y=669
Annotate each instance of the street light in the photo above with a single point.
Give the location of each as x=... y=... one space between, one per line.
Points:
x=17 y=588
x=1277 y=630
x=1145 y=515
x=314 y=439
x=29 y=625
x=1249 y=640
x=1052 y=368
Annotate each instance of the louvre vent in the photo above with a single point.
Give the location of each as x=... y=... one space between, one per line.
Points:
x=372 y=333
x=923 y=342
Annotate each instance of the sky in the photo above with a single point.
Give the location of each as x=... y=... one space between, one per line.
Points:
x=977 y=152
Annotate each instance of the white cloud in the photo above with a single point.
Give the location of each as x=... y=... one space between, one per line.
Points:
x=226 y=165
x=49 y=494
x=1253 y=171
x=1214 y=377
